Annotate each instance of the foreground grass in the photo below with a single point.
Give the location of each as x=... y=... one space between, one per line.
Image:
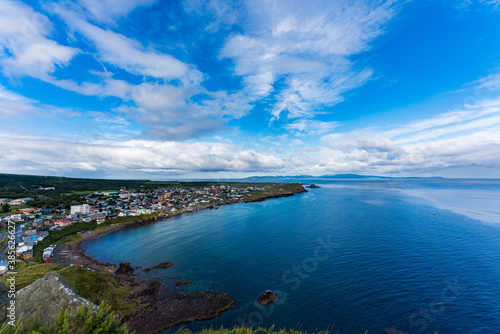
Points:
x=98 y=287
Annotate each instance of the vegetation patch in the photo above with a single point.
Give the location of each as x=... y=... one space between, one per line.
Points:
x=98 y=287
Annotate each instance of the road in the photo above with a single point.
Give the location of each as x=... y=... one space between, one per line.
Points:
x=19 y=231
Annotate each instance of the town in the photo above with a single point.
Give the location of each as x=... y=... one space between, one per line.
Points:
x=35 y=224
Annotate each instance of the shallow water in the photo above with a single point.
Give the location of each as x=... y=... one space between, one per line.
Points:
x=356 y=255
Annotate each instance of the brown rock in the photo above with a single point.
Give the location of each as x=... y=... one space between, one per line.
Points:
x=159 y=266
x=178 y=308
x=267 y=298
x=124 y=269
x=183 y=282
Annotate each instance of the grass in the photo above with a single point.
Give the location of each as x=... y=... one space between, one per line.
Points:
x=95 y=286
x=273 y=189
x=72 y=238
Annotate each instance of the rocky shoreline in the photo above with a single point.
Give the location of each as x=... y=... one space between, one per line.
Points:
x=155 y=313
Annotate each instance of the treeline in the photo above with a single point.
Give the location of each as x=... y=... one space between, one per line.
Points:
x=85 y=321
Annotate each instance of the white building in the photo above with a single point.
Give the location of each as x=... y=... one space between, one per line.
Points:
x=80 y=210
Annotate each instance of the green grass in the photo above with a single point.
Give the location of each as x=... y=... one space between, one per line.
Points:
x=274 y=189
x=56 y=237
x=72 y=238
x=95 y=286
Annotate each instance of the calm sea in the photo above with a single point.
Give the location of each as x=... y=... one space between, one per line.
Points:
x=355 y=255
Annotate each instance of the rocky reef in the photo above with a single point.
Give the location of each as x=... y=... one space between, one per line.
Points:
x=165 y=312
x=267 y=298
x=159 y=266
x=183 y=282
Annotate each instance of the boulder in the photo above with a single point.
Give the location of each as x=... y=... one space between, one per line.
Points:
x=46 y=297
x=183 y=282
x=391 y=330
x=124 y=269
x=267 y=298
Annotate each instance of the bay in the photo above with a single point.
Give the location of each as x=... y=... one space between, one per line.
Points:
x=355 y=255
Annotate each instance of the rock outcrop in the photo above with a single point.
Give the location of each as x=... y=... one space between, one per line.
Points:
x=46 y=297
x=159 y=266
x=391 y=330
x=124 y=269
x=178 y=308
x=183 y=282
x=267 y=298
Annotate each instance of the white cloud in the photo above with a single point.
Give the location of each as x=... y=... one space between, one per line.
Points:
x=108 y=11
x=307 y=127
x=129 y=54
x=467 y=138
x=49 y=155
x=24 y=33
x=299 y=51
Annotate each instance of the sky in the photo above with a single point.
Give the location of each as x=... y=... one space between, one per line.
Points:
x=171 y=89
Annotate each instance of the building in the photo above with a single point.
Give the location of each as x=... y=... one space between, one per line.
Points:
x=62 y=222
x=80 y=210
x=4 y=200
x=4 y=266
x=99 y=216
x=17 y=202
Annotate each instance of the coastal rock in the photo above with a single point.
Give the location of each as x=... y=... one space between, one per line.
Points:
x=144 y=293
x=4 y=302
x=183 y=282
x=300 y=189
x=178 y=308
x=391 y=330
x=313 y=186
x=267 y=298
x=124 y=269
x=46 y=296
x=159 y=266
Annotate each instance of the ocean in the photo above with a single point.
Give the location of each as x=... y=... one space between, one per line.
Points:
x=419 y=255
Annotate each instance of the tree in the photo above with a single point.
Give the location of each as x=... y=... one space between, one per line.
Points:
x=5 y=207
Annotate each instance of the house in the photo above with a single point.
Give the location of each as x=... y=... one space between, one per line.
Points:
x=27 y=255
x=99 y=216
x=26 y=210
x=62 y=222
x=15 y=218
x=17 y=202
x=4 y=200
x=20 y=201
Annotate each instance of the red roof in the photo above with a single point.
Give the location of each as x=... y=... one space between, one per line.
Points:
x=63 y=221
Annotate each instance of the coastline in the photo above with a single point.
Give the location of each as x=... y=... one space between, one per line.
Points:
x=155 y=313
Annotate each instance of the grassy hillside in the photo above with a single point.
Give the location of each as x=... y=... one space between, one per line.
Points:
x=94 y=286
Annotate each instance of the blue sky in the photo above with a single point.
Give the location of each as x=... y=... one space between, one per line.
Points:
x=222 y=89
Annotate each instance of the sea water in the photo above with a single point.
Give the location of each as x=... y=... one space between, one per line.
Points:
x=353 y=256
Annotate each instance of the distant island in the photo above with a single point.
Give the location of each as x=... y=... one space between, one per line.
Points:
x=313 y=186
x=339 y=176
